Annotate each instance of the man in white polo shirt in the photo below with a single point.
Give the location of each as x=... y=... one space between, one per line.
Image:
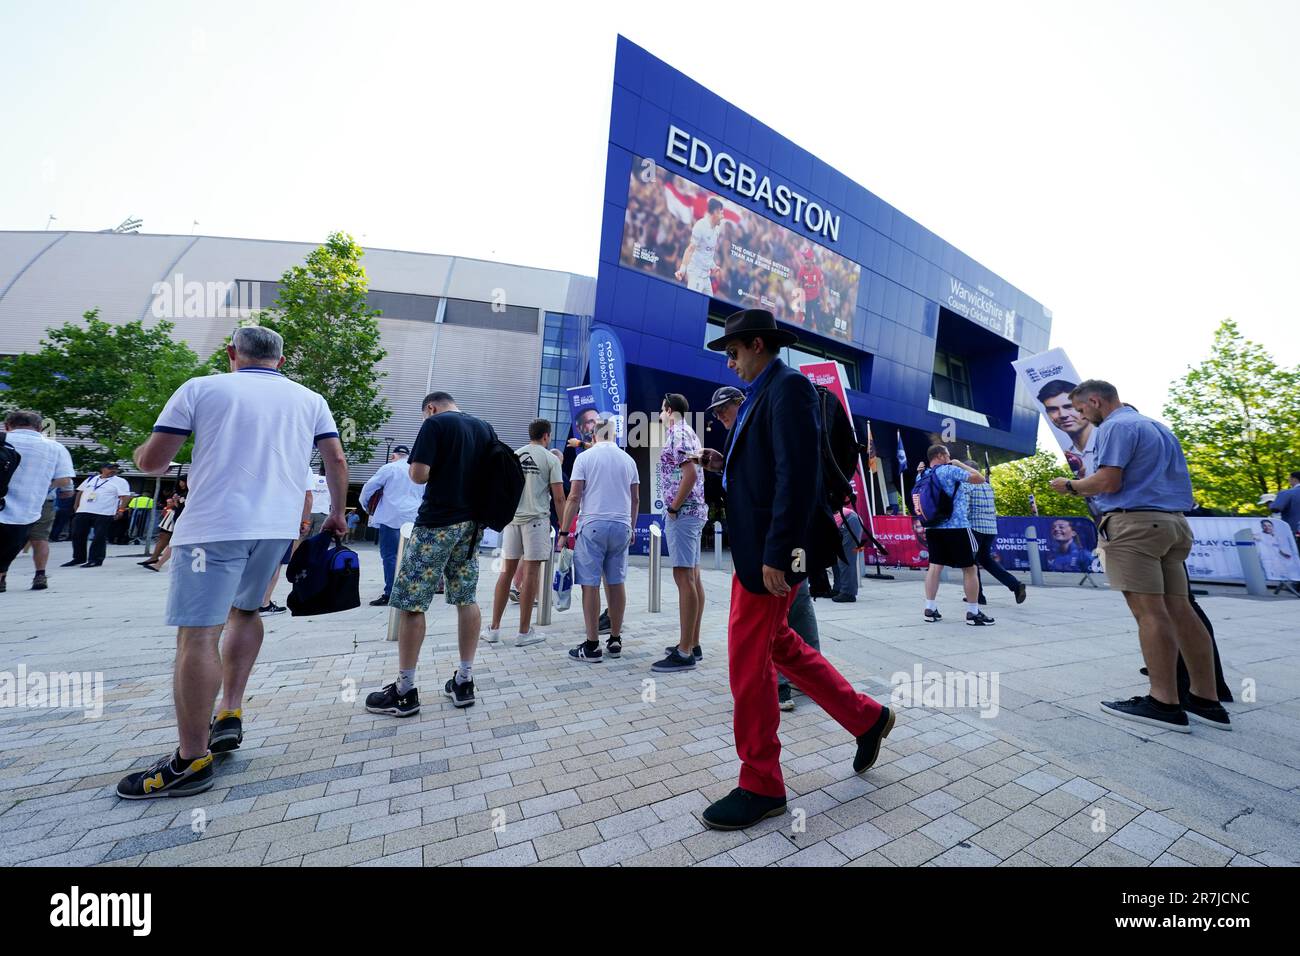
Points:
x=253 y=435
x=43 y=463
x=318 y=487
x=100 y=499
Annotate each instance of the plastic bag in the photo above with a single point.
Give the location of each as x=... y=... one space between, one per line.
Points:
x=563 y=583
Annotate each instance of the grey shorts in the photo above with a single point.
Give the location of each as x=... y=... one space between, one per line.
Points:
x=601 y=549
x=683 y=536
x=207 y=580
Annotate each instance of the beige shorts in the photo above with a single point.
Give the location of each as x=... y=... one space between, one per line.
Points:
x=41 y=530
x=1144 y=551
x=528 y=541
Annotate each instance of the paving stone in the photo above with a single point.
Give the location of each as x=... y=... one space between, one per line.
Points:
x=1002 y=839
x=763 y=851
x=613 y=851
x=860 y=840
x=914 y=849
x=1056 y=849
x=1136 y=838
x=949 y=830
x=965 y=854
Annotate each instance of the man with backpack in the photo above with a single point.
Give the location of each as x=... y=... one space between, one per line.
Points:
x=31 y=465
x=449 y=460
x=940 y=500
x=780 y=529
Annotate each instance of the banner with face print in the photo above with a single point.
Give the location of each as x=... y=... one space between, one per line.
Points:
x=1049 y=378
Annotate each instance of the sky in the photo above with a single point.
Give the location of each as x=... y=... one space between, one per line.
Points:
x=1133 y=166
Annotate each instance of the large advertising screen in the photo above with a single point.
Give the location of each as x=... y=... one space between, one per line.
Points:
x=683 y=233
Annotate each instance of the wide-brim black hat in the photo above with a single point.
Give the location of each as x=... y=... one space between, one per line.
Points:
x=748 y=323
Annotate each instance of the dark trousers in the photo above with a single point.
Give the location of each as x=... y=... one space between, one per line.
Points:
x=12 y=539
x=984 y=557
x=82 y=523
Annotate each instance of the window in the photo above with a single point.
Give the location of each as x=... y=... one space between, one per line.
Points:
x=951 y=381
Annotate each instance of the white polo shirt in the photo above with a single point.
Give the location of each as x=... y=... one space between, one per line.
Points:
x=43 y=460
x=100 y=496
x=253 y=432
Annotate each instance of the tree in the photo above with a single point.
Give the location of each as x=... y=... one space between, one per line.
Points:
x=151 y=385
x=81 y=374
x=1014 y=481
x=1235 y=415
x=331 y=339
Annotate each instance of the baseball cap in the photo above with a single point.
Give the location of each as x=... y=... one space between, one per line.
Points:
x=401 y=450
x=727 y=393
x=1266 y=499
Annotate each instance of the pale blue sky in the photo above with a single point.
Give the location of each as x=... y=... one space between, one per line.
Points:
x=1131 y=165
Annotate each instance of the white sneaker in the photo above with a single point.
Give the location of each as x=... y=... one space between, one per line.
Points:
x=492 y=635
x=532 y=637
x=514 y=596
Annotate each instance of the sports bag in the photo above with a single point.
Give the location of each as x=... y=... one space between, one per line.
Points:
x=498 y=486
x=326 y=576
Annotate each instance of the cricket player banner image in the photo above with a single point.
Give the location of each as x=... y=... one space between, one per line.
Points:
x=580 y=399
x=1064 y=544
x=607 y=373
x=683 y=233
x=1214 y=556
x=1049 y=377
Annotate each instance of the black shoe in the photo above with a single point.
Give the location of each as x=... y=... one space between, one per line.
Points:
x=603 y=626
x=983 y=599
x=381 y=601
x=93 y=564
x=1148 y=710
x=145 y=561
x=674 y=661
x=614 y=646
x=152 y=567
x=843 y=599
x=271 y=608
x=869 y=743
x=166 y=779
x=4 y=585
x=697 y=651
x=1021 y=593
x=226 y=732
x=587 y=653
x=1207 y=712
x=978 y=619
x=783 y=698
x=72 y=564
x=741 y=808
x=932 y=616
x=462 y=695
x=387 y=700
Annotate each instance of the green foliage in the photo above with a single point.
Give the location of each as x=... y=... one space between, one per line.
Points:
x=1014 y=481
x=331 y=339
x=1235 y=415
x=86 y=379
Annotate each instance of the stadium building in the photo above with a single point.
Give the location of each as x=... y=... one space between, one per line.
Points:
x=706 y=210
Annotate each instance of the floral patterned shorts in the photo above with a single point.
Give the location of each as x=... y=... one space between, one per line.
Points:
x=433 y=553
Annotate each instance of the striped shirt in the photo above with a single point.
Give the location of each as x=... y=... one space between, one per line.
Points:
x=983 y=512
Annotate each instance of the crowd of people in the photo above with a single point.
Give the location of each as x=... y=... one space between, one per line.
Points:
x=233 y=529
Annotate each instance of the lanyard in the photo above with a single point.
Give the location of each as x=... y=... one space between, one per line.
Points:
x=99 y=484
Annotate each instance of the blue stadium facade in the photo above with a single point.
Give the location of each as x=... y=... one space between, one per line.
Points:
x=931 y=335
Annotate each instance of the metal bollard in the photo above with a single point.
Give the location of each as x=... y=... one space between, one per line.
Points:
x=656 y=562
x=548 y=574
x=402 y=537
x=1035 y=559
x=1252 y=569
x=717 y=546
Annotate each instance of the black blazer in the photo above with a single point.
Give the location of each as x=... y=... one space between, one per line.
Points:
x=773 y=475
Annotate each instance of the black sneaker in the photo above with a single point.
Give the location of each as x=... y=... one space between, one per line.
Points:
x=462 y=695
x=72 y=564
x=1021 y=593
x=387 y=700
x=740 y=809
x=674 y=661
x=697 y=651
x=226 y=732
x=932 y=616
x=587 y=653
x=381 y=601
x=166 y=779
x=271 y=608
x=93 y=564
x=1148 y=710
x=783 y=698
x=978 y=619
x=869 y=743
x=603 y=626
x=843 y=599
x=4 y=584
x=1207 y=712
x=614 y=646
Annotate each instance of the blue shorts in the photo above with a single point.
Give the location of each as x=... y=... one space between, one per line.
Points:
x=207 y=580
x=601 y=549
x=683 y=536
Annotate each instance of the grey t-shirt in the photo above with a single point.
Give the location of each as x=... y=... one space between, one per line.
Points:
x=541 y=470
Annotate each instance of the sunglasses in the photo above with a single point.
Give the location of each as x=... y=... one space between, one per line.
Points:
x=732 y=352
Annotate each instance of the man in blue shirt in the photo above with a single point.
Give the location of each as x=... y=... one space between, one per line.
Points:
x=984 y=525
x=1287 y=503
x=952 y=543
x=1140 y=487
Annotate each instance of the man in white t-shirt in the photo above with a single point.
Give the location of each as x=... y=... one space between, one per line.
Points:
x=399 y=503
x=699 y=264
x=253 y=435
x=100 y=499
x=606 y=487
x=318 y=488
x=44 y=463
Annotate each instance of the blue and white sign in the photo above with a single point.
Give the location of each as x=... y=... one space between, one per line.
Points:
x=608 y=376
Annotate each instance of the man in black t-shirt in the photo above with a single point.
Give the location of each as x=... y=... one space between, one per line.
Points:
x=444 y=543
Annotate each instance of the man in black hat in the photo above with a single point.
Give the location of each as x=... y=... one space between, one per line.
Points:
x=772 y=475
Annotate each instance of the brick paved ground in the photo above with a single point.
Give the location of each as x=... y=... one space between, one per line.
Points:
x=558 y=764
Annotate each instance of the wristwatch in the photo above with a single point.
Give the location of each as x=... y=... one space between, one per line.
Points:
x=673 y=511
x=1069 y=486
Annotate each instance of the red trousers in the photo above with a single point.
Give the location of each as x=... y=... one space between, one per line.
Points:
x=760 y=640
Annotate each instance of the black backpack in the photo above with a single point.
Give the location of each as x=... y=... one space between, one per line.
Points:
x=326 y=577
x=9 y=461
x=498 y=486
